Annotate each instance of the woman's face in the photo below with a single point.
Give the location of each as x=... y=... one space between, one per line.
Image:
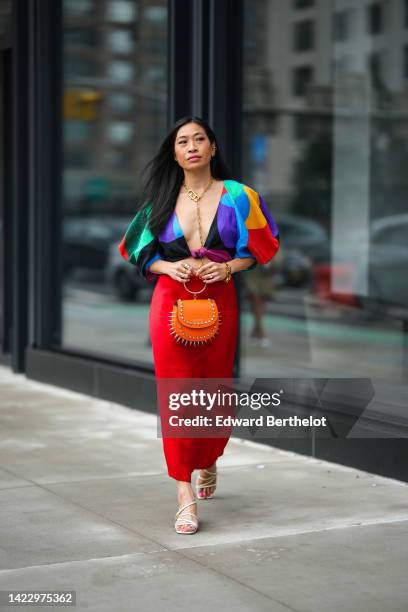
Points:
x=192 y=140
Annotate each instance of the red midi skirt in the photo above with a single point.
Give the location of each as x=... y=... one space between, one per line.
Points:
x=175 y=360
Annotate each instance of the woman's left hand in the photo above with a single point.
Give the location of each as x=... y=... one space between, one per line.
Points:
x=212 y=272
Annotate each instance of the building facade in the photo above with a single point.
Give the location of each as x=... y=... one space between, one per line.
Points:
x=308 y=99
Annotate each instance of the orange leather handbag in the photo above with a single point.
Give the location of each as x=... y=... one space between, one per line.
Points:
x=195 y=321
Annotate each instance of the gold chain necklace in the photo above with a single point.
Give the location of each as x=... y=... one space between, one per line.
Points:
x=196 y=198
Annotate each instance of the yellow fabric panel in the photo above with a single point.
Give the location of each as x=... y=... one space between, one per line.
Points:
x=256 y=218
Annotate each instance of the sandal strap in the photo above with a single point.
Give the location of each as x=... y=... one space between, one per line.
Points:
x=207 y=481
x=186 y=506
x=185 y=521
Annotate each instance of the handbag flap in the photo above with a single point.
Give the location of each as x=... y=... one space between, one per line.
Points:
x=198 y=313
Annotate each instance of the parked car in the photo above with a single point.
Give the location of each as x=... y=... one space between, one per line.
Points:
x=304 y=242
x=295 y=270
x=388 y=264
x=86 y=241
x=304 y=235
x=124 y=277
x=373 y=274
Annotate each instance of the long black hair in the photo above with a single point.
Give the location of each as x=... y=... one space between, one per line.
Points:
x=162 y=176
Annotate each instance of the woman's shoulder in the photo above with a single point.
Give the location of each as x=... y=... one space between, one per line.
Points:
x=243 y=196
x=236 y=188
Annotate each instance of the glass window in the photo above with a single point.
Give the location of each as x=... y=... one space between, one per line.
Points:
x=342 y=22
x=120 y=132
x=121 y=102
x=405 y=63
x=304 y=35
x=122 y=11
x=121 y=72
x=301 y=4
x=155 y=14
x=78 y=66
x=120 y=41
x=334 y=177
x=113 y=124
x=302 y=78
x=118 y=159
x=375 y=18
x=80 y=37
x=78 y=8
x=154 y=74
x=77 y=158
x=5 y=17
x=375 y=68
x=78 y=131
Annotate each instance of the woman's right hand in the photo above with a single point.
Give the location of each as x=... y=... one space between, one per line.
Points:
x=180 y=270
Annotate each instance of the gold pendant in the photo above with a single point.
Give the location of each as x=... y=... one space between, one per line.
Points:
x=192 y=195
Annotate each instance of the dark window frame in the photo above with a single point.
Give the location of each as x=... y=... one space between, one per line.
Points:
x=304 y=36
x=299 y=86
x=375 y=18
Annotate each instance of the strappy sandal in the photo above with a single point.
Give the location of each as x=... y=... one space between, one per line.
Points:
x=206 y=483
x=181 y=520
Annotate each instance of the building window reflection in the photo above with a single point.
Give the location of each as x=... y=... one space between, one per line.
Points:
x=405 y=62
x=342 y=23
x=333 y=176
x=121 y=71
x=304 y=35
x=302 y=4
x=120 y=132
x=121 y=102
x=5 y=16
x=121 y=41
x=78 y=8
x=114 y=113
x=302 y=78
x=121 y=11
x=375 y=18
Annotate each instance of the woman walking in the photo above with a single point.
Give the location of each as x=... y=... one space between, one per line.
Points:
x=195 y=229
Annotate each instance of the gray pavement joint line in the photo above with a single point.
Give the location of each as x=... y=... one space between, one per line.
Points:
x=226 y=468
x=141 y=555
x=68 y=482
x=242 y=584
x=99 y=478
x=102 y=516
x=366 y=523
x=396 y=519
x=288 y=534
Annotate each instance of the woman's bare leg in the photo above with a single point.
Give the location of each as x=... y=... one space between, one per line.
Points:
x=258 y=310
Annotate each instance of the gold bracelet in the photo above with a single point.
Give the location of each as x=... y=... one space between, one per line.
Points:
x=229 y=272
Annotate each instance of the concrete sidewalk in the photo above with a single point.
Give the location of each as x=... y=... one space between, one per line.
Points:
x=86 y=505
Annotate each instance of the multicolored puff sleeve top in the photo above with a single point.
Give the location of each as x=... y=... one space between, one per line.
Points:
x=242 y=227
